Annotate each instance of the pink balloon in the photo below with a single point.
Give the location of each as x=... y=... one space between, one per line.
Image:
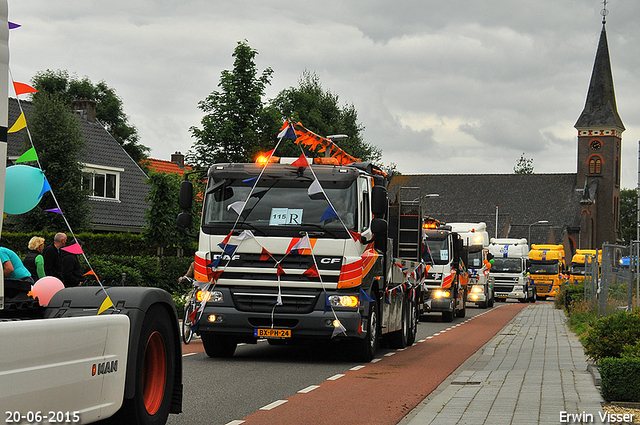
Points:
x=45 y=288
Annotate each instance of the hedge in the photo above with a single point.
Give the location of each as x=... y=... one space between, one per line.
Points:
x=610 y=335
x=619 y=379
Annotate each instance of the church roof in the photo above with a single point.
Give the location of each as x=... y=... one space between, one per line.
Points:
x=600 y=108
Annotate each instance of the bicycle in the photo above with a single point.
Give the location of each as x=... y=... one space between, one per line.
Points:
x=189 y=308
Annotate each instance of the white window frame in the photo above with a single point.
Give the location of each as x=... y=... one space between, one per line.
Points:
x=104 y=170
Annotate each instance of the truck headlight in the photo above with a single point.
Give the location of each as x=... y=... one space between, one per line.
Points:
x=209 y=296
x=517 y=288
x=441 y=294
x=344 y=301
x=477 y=289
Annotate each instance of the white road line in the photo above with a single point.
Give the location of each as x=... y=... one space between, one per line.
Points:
x=357 y=367
x=273 y=405
x=334 y=377
x=390 y=354
x=236 y=422
x=189 y=354
x=309 y=389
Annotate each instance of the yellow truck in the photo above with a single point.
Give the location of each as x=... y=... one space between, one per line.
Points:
x=579 y=262
x=547 y=268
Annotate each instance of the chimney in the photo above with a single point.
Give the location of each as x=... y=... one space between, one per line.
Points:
x=86 y=109
x=178 y=158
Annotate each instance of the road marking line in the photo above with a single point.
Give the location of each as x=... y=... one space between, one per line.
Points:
x=334 y=377
x=375 y=360
x=357 y=367
x=236 y=422
x=309 y=389
x=189 y=354
x=273 y=405
x=389 y=354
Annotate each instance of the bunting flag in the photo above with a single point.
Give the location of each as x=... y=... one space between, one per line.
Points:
x=226 y=239
x=216 y=262
x=287 y=132
x=250 y=182
x=54 y=210
x=91 y=272
x=302 y=244
x=45 y=187
x=73 y=249
x=246 y=234
x=279 y=270
x=216 y=275
x=228 y=249
x=329 y=214
x=22 y=88
x=30 y=155
x=237 y=206
x=311 y=272
x=312 y=142
x=106 y=304
x=13 y=25
x=355 y=236
x=20 y=123
x=338 y=329
x=265 y=255
x=364 y=296
x=315 y=188
x=300 y=162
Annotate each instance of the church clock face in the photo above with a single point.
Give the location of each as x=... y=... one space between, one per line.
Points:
x=595 y=145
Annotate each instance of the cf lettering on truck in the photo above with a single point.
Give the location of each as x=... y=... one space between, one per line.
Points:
x=79 y=358
x=313 y=253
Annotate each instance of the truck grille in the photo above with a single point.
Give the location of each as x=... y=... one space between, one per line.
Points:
x=263 y=300
x=503 y=288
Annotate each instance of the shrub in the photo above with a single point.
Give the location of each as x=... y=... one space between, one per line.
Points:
x=617 y=382
x=582 y=316
x=609 y=335
x=569 y=294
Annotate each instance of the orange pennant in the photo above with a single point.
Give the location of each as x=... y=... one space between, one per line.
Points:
x=22 y=88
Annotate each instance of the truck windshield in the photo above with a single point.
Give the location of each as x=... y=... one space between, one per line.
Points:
x=475 y=260
x=577 y=268
x=506 y=265
x=279 y=207
x=437 y=251
x=543 y=268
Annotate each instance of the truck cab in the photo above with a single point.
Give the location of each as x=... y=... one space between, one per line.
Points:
x=508 y=272
x=547 y=269
x=579 y=263
x=476 y=240
x=446 y=284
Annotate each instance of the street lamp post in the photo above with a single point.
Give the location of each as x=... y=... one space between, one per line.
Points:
x=533 y=224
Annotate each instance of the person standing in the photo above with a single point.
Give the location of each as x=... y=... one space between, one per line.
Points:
x=72 y=271
x=34 y=261
x=53 y=257
x=12 y=266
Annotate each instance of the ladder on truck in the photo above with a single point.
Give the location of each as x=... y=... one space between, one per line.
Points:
x=409 y=223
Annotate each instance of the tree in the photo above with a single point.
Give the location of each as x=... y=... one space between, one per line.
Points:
x=108 y=106
x=523 y=165
x=57 y=139
x=628 y=215
x=319 y=111
x=236 y=124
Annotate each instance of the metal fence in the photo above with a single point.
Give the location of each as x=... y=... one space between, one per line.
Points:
x=611 y=284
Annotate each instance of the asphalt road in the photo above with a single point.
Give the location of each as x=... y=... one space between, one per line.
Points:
x=258 y=378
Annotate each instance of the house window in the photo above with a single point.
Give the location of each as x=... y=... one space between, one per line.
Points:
x=102 y=182
x=595 y=165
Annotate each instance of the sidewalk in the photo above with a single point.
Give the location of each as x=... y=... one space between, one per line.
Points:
x=532 y=372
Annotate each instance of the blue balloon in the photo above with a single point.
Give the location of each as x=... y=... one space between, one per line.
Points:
x=22 y=189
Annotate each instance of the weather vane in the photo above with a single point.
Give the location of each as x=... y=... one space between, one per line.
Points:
x=604 y=12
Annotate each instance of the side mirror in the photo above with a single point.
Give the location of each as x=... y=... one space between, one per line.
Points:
x=184 y=220
x=379 y=226
x=186 y=195
x=378 y=200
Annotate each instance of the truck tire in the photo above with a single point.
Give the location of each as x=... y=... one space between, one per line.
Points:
x=413 y=323
x=218 y=345
x=463 y=311
x=155 y=369
x=447 y=316
x=365 y=349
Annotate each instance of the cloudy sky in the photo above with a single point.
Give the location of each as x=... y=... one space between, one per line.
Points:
x=453 y=86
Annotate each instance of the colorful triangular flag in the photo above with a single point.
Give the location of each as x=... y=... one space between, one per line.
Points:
x=279 y=270
x=364 y=296
x=311 y=272
x=13 y=25
x=22 y=88
x=54 y=210
x=264 y=255
x=237 y=206
x=30 y=155
x=228 y=249
x=20 y=123
x=287 y=133
x=45 y=187
x=303 y=243
x=315 y=189
x=73 y=249
x=246 y=234
x=300 y=162
x=250 y=182
x=328 y=214
x=106 y=304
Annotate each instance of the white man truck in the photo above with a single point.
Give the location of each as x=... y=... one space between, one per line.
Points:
x=312 y=252
x=64 y=363
x=508 y=273
x=446 y=284
x=476 y=239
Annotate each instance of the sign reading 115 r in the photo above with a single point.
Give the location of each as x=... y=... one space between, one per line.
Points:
x=285 y=216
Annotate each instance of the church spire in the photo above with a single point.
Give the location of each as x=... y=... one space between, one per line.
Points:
x=600 y=108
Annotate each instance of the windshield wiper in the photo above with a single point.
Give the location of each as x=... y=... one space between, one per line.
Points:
x=323 y=229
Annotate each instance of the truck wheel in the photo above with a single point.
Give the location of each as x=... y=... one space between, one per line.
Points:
x=399 y=339
x=155 y=370
x=463 y=311
x=365 y=349
x=491 y=300
x=187 y=332
x=218 y=345
x=413 y=323
x=447 y=316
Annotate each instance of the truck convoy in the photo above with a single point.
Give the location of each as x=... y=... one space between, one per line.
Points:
x=66 y=363
x=547 y=269
x=508 y=273
x=579 y=262
x=446 y=285
x=476 y=239
x=305 y=250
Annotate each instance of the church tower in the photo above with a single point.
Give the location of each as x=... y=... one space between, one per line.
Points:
x=599 y=147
